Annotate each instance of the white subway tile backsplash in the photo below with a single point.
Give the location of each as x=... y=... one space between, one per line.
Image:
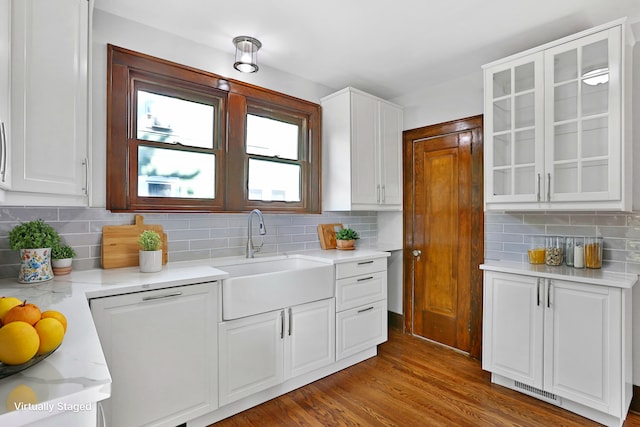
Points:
x=190 y=235
x=507 y=234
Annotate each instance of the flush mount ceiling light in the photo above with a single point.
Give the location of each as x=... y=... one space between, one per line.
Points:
x=596 y=77
x=246 y=54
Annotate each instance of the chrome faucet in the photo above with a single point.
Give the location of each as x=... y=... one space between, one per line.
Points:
x=262 y=230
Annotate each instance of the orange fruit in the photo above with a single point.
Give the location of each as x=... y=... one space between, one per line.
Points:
x=7 y=303
x=50 y=331
x=24 y=312
x=19 y=342
x=56 y=315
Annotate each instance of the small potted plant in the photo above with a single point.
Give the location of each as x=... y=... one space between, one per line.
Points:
x=150 y=251
x=346 y=239
x=61 y=259
x=34 y=240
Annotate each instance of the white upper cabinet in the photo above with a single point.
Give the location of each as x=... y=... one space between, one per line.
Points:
x=5 y=93
x=49 y=101
x=554 y=126
x=361 y=152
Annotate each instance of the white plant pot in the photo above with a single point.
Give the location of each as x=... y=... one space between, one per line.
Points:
x=62 y=263
x=35 y=265
x=150 y=261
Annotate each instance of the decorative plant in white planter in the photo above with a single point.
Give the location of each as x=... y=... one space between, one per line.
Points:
x=150 y=251
x=61 y=259
x=34 y=240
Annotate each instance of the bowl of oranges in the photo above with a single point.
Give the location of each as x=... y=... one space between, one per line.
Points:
x=27 y=334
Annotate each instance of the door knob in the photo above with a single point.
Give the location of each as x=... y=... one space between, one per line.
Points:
x=416 y=252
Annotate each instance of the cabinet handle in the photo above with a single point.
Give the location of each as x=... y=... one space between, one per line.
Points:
x=384 y=195
x=538 y=282
x=538 y=187
x=3 y=137
x=365 y=262
x=85 y=163
x=282 y=324
x=548 y=293
x=378 y=193
x=548 y=187
x=365 y=309
x=363 y=279
x=290 y=321
x=155 y=297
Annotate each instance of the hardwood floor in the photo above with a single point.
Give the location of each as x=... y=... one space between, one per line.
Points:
x=410 y=383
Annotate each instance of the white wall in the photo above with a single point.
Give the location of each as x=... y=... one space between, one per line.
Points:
x=108 y=28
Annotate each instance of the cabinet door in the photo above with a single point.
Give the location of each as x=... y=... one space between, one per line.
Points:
x=5 y=93
x=513 y=327
x=582 y=344
x=514 y=153
x=49 y=96
x=390 y=146
x=160 y=348
x=360 y=328
x=310 y=337
x=365 y=181
x=250 y=355
x=583 y=115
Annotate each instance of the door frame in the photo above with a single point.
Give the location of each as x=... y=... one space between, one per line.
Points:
x=475 y=125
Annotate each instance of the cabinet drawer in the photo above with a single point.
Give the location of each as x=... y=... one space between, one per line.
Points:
x=360 y=328
x=356 y=268
x=356 y=291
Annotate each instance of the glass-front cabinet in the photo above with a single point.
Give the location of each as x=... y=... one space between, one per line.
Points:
x=554 y=118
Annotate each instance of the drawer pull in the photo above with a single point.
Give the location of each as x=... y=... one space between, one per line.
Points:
x=365 y=309
x=154 y=297
x=365 y=262
x=363 y=279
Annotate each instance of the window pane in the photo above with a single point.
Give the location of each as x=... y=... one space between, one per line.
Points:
x=272 y=181
x=269 y=137
x=172 y=173
x=167 y=119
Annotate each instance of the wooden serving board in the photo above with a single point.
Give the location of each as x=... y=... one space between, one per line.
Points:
x=120 y=243
x=327 y=235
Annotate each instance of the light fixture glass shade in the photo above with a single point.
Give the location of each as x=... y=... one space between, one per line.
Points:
x=246 y=54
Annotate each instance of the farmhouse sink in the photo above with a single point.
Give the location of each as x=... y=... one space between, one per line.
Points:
x=266 y=284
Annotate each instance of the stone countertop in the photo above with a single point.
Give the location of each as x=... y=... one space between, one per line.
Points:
x=77 y=373
x=563 y=272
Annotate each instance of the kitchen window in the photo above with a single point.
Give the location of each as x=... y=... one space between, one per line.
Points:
x=176 y=142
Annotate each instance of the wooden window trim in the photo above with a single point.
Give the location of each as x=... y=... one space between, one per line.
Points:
x=231 y=160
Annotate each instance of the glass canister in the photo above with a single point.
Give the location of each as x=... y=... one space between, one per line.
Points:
x=578 y=252
x=536 y=250
x=554 y=246
x=569 y=243
x=593 y=252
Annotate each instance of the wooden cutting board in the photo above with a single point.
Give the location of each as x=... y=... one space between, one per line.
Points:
x=120 y=243
x=327 y=235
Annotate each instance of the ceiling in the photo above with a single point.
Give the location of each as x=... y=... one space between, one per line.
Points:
x=388 y=48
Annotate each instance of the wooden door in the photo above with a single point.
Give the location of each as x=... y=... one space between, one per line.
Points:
x=444 y=233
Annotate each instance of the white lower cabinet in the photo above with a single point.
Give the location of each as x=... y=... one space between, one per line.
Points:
x=160 y=347
x=361 y=305
x=261 y=351
x=563 y=341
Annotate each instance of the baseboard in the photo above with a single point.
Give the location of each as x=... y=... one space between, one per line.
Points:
x=635 y=400
x=396 y=321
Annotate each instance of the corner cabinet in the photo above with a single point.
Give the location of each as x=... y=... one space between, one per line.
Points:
x=555 y=125
x=361 y=152
x=5 y=94
x=161 y=350
x=49 y=102
x=567 y=342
